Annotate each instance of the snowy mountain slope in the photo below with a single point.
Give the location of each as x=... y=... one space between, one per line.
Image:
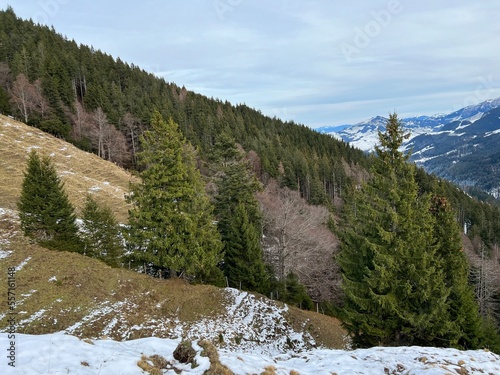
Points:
x=462 y=146
x=59 y=353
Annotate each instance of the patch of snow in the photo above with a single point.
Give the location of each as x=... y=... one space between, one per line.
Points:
x=459 y=127
x=492 y=132
x=6 y=211
x=426 y=148
x=59 y=353
x=5 y=253
x=53 y=278
x=64 y=173
x=95 y=188
x=424 y=160
x=29 y=293
x=476 y=117
x=32 y=148
x=33 y=317
x=22 y=264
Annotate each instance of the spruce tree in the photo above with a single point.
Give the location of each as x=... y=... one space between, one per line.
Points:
x=296 y=293
x=393 y=278
x=243 y=262
x=171 y=223
x=239 y=219
x=45 y=211
x=463 y=309
x=101 y=233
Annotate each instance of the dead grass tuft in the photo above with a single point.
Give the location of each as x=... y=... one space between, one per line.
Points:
x=324 y=329
x=269 y=370
x=159 y=361
x=216 y=368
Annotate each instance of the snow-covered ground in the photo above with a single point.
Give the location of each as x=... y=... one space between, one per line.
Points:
x=60 y=353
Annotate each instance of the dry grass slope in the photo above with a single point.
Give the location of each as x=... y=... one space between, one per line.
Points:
x=82 y=172
x=65 y=291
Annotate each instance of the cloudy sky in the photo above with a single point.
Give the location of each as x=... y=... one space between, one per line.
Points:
x=317 y=62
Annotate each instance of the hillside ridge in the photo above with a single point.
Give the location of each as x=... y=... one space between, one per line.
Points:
x=82 y=172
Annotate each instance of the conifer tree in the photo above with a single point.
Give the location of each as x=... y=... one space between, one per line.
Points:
x=243 y=262
x=296 y=293
x=239 y=219
x=393 y=278
x=101 y=233
x=45 y=211
x=463 y=309
x=171 y=223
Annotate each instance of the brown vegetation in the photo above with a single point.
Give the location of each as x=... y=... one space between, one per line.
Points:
x=80 y=171
x=299 y=241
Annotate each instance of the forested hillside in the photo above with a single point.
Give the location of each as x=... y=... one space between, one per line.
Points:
x=303 y=178
x=103 y=104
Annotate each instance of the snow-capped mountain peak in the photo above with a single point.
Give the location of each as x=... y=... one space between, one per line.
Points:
x=461 y=146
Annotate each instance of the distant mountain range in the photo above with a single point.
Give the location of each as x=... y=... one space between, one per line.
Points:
x=462 y=146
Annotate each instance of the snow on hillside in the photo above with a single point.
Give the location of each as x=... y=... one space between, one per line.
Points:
x=59 y=353
x=364 y=135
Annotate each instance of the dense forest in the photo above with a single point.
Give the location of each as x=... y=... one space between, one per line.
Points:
x=104 y=105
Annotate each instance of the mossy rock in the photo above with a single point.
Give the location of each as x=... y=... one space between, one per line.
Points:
x=185 y=353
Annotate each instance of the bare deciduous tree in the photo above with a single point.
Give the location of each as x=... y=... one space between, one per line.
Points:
x=485 y=272
x=109 y=142
x=40 y=105
x=24 y=96
x=98 y=131
x=81 y=120
x=297 y=240
x=133 y=128
x=115 y=146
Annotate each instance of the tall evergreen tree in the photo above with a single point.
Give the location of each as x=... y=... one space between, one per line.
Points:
x=239 y=219
x=171 y=223
x=46 y=213
x=243 y=263
x=101 y=233
x=463 y=308
x=395 y=292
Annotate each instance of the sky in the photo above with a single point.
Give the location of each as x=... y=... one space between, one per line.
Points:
x=316 y=62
